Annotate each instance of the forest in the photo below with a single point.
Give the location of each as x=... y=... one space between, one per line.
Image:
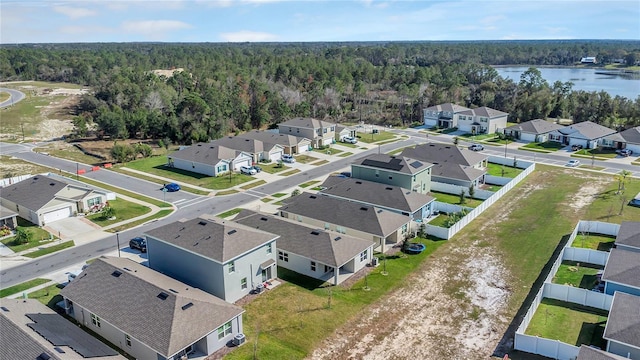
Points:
x=220 y=89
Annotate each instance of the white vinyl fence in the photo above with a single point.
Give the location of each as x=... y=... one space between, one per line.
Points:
x=12 y=180
x=456 y=189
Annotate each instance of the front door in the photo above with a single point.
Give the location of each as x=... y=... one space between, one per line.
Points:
x=266 y=274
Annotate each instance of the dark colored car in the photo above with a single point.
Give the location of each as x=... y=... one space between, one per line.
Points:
x=257 y=168
x=576 y=147
x=138 y=243
x=635 y=201
x=625 y=152
x=171 y=187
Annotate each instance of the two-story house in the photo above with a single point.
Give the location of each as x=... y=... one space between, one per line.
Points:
x=622 y=331
x=482 y=120
x=320 y=132
x=403 y=171
x=221 y=257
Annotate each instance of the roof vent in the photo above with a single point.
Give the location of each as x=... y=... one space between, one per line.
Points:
x=315 y=232
x=185 y=307
x=199 y=145
x=338 y=238
x=52 y=184
x=364 y=208
x=379 y=211
x=116 y=273
x=127 y=269
x=173 y=291
x=358 y=182
x=196 y=243
x=43 y=356
x=202 y=222
x=232 y=232
x=59 y=350
x=35 y=178
x=163 y=296
x=313 y=197
x=388 y=188
x=264 y=218
x=4 y=309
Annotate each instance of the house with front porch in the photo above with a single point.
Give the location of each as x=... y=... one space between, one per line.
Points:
x=627 y=139
x=209 y=159
x=451 y=165
x=622 y=330
x=443 y=116
x=324 y=255
x=259 y=150
x=402 y=171
x=343 y=131
x=482 y=120
x=622 y=272
x=290 y=144
x=321 y=133
x=586 y=134
x=392 y=198
x=383 y=227
x=221 y=257
x=8 y=218
x=536 y=130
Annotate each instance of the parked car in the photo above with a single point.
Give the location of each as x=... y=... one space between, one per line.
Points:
x=350 y=140
x=624 y=152
x=476 y=147
x=345 y=174
x=288 y=158
x=73 y=274
x=257 y=168
x=171 y=187
x=248 y=170
x=635 y=201
x=138 y=243
x=573 y=163
x=576 y=147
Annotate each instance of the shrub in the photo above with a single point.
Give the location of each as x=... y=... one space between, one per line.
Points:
x=23 y=236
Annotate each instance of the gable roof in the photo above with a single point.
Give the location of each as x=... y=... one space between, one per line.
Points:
x=448 y=107
x=205 y=153
x=147 y=305
x=6 y=213
x=589 y=353
x=377 y=194
x=623 y=324
x=631 y=136
x=536 y=126
x=623 y=267
x=325 y=247
x=401 y=164
x=448 y=161
x=213 y=238
x=484 y=112
x=274 y=138
x=365 y=218
x=248 y=145
x=629 y=234
x=586 y=129
x=33 y=193
x=308 y=123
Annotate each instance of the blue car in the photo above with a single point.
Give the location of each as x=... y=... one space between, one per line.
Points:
x=172 y=187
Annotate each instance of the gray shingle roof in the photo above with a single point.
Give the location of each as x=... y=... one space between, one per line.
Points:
x=377 y=194
x=631 y=136
x=449 y=107
x=623 y=267
x=6 y=213
x=589 y=353
x=588 y=129
x=16 y=343
x=130 y=302
x=307 y=123
x=623 y=324
x=484 y=112
x=205 y=153
x=214 y=238
x=274 y=138
x=448 y=161
x=401 y=164
x=365 y=218
x=33 y=193
x=537 y=126
x=325 y=247
x=247 y=145
x=629 y=234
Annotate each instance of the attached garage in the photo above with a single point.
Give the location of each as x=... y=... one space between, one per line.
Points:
x=275 y=155
x=54 y=215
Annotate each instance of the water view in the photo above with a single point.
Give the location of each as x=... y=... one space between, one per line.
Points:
x=582 y=79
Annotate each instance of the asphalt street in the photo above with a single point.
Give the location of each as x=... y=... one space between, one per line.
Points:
x=16 y=96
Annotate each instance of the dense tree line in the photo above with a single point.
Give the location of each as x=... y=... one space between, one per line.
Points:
x=237 y=87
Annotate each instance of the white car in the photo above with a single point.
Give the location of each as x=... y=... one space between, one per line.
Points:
x=288 y=158
x=248 y=170
x=350 y=140
x=573 y=163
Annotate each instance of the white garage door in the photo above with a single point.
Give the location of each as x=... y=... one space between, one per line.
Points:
x=56 y=215
x=275 y=156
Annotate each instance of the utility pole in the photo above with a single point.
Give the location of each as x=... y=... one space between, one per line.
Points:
x=118 y=242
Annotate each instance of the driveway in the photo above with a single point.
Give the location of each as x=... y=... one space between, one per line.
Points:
x=76 y=228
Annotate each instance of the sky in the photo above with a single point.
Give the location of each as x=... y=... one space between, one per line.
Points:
x=60 y=21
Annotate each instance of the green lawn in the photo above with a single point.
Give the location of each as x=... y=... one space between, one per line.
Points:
x=50 y=249
x=608 y=205
x=308 y=183
x=299 y=316
x=509 y=171
x=455 y=199
x=4 y=96
x=439 y=221
x=577 y=275
x=279 y=195
x=328 y=151
x=598 y=153
x=253 y=184
x=22 y=287
x=548 y=146
x=49 y=296
x=272 y=168
x=72 y=154
x=39 y=237
x=345 y=154
x=570 y=323
x=594 y=242
x=124 y=210
x=372 y=138
x=305 y=159
x=227 y=192
x=497 y=141
x=156 y=165
x=129 y=225
x=348 y=145
x=229 y=213
x=479 y=137
x=122 y=191
x=290 y=172
x=321 y=162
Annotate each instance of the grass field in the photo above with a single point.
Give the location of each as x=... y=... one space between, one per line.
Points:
x=496 y=170
x=4 y=96
x=455 y=199
x=594 y=242
x=72 y=154
x=569 y=323
x=577 y=275
x=15 y=289
x=372 y=138
x=26 y=114
x=124 y=210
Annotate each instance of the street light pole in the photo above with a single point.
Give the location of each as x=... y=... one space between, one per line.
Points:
x=506 y=141
x=77 y=169
x=118 y=241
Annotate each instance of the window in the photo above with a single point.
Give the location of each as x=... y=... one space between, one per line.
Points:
x=283 y=256
x=95 y=320
x=404 y=228
x=269 y=249
x=299 y=217
x=390 y=177
x=127 y=339
x=313 y=266
x=324 y=131
x=17 y=207
x=243 y=283
x=224 y=330
x=94 y=201
x=363 y=256
x=327 y=268
x=327 y=226
x=232 y=267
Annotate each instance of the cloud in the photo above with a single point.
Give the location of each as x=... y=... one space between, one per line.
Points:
x=74 y=12
x=153 y=27
x=246 y=35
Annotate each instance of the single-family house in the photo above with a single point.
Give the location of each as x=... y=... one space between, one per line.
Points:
x=209 y=159
x=451 y=165
x=587 y=134
x=402 y=171
x=482 y=120
x=221 y=257
x=320 y=132
x=32 y=331
x=622 y=272
x=628 y=237
x=588 y=60
x=622 y=331
x=291 y=144
x=258 y=149
x=147 y=314
x=627 y=139
x=536 y=130
x=383 y=196
x=8 y=218
x=591 y=353
x=42 y=199
x=444 y=116
x=320 y=254
x=343 y=131
x=383 y=227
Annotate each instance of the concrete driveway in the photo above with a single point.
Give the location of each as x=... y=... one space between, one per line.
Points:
x=76 y=228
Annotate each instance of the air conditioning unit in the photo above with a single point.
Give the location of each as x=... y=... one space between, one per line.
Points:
x=375 y=261
x=239 y=339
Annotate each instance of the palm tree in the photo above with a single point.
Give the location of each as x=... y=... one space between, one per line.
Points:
x=622 y=177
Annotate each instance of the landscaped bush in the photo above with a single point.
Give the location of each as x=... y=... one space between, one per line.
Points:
x=4 y=230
